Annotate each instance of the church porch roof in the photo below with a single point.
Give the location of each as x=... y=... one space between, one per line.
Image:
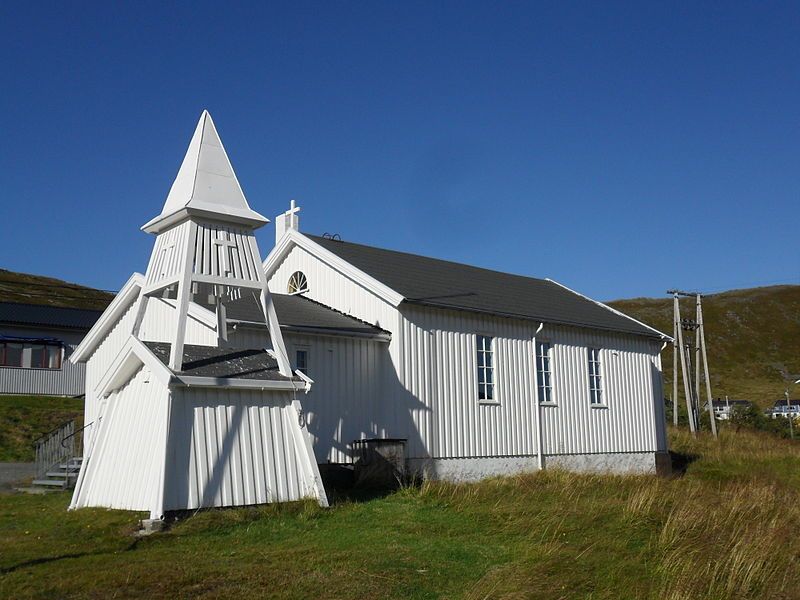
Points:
x=224 y=363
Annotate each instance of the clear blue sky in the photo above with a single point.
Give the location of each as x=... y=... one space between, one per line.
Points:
x=619 y=148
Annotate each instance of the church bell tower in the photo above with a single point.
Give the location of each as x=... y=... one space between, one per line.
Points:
x=205 y=248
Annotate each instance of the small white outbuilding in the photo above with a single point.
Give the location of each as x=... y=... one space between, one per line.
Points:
x=216 y=380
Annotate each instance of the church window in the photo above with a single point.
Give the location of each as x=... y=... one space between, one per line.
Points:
x=485 y=367
x=543 y=372
x=297 y=283
x=301 y=361
x=595 y=380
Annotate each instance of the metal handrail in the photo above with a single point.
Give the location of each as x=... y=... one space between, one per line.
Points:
x=50 y=433
x=74 y=433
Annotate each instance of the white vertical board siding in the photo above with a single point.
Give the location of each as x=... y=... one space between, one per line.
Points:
x=440 y=372
x=429 y=381
x=332 y=288
x=169 y=253
x=158 y=325
x=233 y=448
x=125 y=466
x=243 y=262
x=631 y=385
x=97 y=366
x=347 y=400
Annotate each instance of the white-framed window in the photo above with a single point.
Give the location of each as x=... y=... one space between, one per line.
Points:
x=543 y=371
x=301 y=360
x=298 y=283
x=485 y=358
x=595 y=378
x=31 y=354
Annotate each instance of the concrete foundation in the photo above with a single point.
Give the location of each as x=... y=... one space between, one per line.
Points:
x=475 y=469
x=617 y=462
x=471 y=469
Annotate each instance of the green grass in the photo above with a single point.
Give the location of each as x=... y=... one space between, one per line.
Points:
x=38 y=289
x=25 y=418
x=727 y=529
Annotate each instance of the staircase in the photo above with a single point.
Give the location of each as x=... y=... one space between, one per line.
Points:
x=61 y=476
x=59 y=457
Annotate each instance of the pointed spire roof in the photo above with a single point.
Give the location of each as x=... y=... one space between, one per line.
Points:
x=206 y=184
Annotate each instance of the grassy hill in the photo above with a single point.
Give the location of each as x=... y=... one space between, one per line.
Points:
x=37 y=289
x=753 y=338
x=25 y=418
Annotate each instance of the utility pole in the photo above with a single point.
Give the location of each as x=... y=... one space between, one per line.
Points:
x=675 y=370
x=702 y=334
x=687 y=388
x=692 y=392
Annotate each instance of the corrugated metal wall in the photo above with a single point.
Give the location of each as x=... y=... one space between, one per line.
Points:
x=440 y=371
x=66 y=381
x=234 y=447
x=98 y=364
x=429 y=389
x=347 y=400
x=124 y=468
x=631 y=388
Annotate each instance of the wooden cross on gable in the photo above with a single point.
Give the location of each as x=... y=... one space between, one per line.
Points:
x=227 y=245
x=291 y=215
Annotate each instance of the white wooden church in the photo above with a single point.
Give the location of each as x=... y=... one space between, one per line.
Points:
x=216 y=379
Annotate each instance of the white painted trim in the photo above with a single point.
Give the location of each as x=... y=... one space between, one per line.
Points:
x=124 y=298
x=123 y=367
x=305 y=448
x=105 y=385
x=161 y=284
x=229 y=281
x=615 y=311
x=226 y=382
x=197 y=312
x=294 y=238
x=161 y=372
x=306 y=378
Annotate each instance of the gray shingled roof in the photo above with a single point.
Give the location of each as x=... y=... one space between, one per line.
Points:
x=445 y=284
x=299 y=313
x=208 y=361
x=14 y=313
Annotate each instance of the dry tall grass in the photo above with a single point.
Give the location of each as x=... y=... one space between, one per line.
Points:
x=727 y=529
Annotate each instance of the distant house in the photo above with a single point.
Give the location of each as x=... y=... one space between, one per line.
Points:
x=35 y=342
x=723 y=409
x=781 y=408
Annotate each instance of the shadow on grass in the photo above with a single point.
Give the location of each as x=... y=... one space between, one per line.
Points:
x=49 y=559
x=681 y=462
x=341 y=486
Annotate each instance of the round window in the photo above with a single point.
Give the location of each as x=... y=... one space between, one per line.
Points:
x=297 y=283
